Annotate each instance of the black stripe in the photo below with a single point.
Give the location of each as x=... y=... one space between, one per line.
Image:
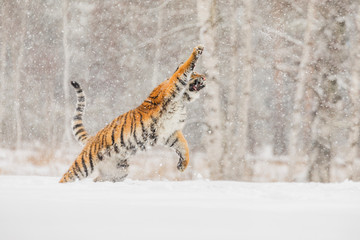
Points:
x=167 y=101
x=113 y=136
x=122 y=132
x=81 y=99
x=103 y=140
x=144 y=110
x=192 y=66
x=97 y=145
x=91 y=161
x=116 y=148
x=73 y=170
x=100 y=157
x=187 y=96
x=150 y=102
x=82 y=137
x=78 y=168
x=140 y=144
x=84 y=165
x=79 y=90
x=108 y=151
x=153 y=135
x=174 y=142
x=79 y=131
x=144 y=133
x=167 y=141
x=80 y=109
x=78 y=117
x=154 y=119
x=132 y=123
x=77 y=125
x=155 y=96
x=177 y=87
x=181 y=81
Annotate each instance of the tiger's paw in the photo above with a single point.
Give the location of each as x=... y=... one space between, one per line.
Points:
x=182 y=164
x=198 y=50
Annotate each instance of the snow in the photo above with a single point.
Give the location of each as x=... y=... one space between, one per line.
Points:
x=34 y=207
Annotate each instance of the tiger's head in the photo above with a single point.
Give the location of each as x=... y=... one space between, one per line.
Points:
x=197 y=82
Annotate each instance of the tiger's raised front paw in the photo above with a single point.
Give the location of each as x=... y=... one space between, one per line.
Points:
x=198 y=50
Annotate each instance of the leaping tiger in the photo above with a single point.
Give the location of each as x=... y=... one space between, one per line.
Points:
x=158 y=120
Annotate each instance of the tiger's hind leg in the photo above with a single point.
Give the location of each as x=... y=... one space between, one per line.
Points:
x=178 y=142
x=115 y=170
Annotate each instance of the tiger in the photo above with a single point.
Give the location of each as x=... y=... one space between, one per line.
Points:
x=159 y=120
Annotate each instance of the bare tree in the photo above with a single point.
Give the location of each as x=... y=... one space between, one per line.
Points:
x=159 y=31
x=18 y=76
x=246 y=87
x=3 y=50
x=327 y=87
x=207 y=16
x=296 y=152
x=66 y=72
x=354 y=93
x=231 y=125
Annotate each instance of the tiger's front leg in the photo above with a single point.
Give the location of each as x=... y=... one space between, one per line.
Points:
x=178 y=142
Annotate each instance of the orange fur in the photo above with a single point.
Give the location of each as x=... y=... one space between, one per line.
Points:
x=124 y=131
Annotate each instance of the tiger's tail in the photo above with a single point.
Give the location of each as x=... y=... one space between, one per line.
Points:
x=78 y=128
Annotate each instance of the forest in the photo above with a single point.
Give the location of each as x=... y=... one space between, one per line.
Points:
x=282 y=101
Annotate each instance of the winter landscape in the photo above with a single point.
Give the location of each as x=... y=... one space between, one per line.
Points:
x=40 y=208
x=273 y=137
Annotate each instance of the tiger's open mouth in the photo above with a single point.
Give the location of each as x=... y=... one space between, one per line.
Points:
x=197 y=84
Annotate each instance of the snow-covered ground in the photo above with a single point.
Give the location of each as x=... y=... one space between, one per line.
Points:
x=40 y=208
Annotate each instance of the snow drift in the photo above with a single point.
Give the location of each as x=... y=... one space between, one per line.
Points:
x=40 y=208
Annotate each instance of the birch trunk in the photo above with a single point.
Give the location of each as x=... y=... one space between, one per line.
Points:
x=17 y=77
x=231 y=124
x=3 y=65
x=355 y=99
x=67 y=116
x=207 y=16
x=244 y=171
x=279 y=115
x=159 y=31
x=327 y=87
x=304 y=74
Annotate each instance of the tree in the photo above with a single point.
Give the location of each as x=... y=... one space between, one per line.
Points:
x=354 y=93
x=304 y=74
x=242 y=168
x=329 y=66
x=207 y=16
x=66 y=72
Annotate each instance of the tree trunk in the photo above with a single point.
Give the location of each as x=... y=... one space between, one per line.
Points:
x=207 y=16
x=231 y=124
x=355 y=99
x=67 y=116
x=159 y=30
x=243 y=168
x=17 y=79
x=296 y=150
x=327 y=81
x=3 y=65
x=279 y=114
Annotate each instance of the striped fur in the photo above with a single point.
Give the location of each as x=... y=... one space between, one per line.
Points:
x=158 y=120
x=78 y=128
